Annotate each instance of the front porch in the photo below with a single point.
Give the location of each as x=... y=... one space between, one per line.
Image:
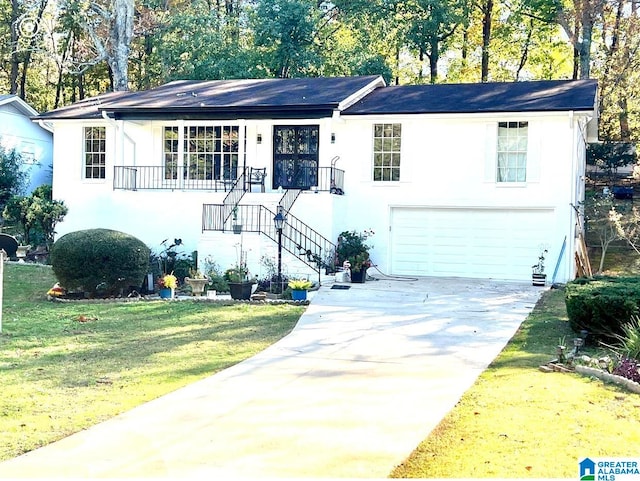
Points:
x=153 y=177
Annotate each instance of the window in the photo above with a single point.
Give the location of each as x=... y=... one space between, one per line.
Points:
x=512 y=152
x=386 y=152
x=95 y=146
x=210 y=152
x=171 y=145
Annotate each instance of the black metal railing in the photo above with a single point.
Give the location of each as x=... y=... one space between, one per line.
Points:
x=298 y=238
x=154 y=177
x=151 y=177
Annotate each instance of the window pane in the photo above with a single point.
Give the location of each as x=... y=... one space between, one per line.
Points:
x=511 y=154
x=386 y=152
x=95 y=147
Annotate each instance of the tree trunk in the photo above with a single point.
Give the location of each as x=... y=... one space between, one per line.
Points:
x=487 y=10
x=121 y=34
x=623 y=118
x=433 y=60
x=15 y=58
x=585 y=45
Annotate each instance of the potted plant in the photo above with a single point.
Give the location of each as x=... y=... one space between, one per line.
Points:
x=538 y=277
x=299 y=288
x=237 y=224
x=197 y=281
x=353 y=249
x=166 y=285
x=240 y=285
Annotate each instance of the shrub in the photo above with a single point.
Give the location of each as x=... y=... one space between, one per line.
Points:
x=100 y=262
x=628 y=368
x=602 y=305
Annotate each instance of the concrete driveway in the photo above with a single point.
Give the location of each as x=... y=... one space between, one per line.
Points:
x=365 y=376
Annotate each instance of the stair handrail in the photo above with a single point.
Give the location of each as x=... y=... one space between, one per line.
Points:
x=232 y=199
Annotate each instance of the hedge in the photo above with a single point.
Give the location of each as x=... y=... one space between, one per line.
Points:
x=99 y=262
x=601 y=305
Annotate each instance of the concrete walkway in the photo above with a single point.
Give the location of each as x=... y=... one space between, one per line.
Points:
x=365 y=376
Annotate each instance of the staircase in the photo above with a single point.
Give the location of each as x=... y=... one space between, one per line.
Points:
x=298 y=238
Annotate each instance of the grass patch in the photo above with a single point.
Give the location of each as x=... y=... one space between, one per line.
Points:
x=517 y=422
x=67 y=366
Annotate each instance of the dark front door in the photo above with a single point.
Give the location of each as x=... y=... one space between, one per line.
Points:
x=295 y=156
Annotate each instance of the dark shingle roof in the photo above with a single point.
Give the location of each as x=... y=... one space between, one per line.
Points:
x=543 y=96
x=223 y=99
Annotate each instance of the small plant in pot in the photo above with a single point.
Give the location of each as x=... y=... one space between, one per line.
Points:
x=299 y=288
x=197 y=281
x=538 y=277
x=166 y=285
x=353 y=248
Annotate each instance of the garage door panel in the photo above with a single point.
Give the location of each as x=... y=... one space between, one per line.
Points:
x=496 y=243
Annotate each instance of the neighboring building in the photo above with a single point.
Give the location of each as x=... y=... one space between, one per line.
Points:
x=31 y=140
x=469 y=180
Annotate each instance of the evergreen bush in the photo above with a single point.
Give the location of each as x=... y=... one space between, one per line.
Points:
x=99 y=262
x=602 y=305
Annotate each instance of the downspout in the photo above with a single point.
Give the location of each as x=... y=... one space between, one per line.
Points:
x=122 y=134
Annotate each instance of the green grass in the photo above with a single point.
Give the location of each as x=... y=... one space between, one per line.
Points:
x=518 y=422
x=67 y=366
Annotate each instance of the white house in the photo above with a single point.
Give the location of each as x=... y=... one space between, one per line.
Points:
x=469 y=180
x=31 y=140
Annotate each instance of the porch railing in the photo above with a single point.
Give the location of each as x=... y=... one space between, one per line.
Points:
x=153 y=177
x=297 y=237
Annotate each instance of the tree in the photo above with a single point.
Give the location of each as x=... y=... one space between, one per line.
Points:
x=597 y=213
x=286 y=37
x=431 y=23
x=37 y=215
x=109 y=26
x=13 y=178
x=610 y=156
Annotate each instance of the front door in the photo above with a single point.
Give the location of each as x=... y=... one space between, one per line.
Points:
x=295 y=156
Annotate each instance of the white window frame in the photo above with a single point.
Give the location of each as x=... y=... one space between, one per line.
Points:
x=512 y=152
x=387 y=152
x=94 y=149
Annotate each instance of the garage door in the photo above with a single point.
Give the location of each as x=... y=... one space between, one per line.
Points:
x=479 y=243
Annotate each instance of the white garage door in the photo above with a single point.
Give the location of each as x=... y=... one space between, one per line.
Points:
x=479 y=243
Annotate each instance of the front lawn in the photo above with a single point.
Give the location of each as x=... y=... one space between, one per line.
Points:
x=67 y=366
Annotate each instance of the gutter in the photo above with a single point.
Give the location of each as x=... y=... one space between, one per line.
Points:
x=105 y=116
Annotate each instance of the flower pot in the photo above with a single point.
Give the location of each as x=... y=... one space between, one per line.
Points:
x=197 y=285
x=21 y=252
x=539 y=279
x=240 y=290
x=237 y=228
x=359 y=276
x=298 y=294
x=165 y=293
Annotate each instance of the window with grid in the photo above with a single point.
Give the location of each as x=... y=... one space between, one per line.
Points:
x=386 y=152
x=211 y=152
x=512 y=152
x=95 y=145
x=171 y=145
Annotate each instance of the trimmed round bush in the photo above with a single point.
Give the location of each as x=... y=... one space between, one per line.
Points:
x=100 y=262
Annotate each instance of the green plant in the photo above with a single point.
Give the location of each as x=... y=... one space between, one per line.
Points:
x=99 y=261
x=538 y=268
x=629 y=340
x=600 y=305
x=36 y=215
x=13 y=178
x=353 y=249
x=300 y=284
